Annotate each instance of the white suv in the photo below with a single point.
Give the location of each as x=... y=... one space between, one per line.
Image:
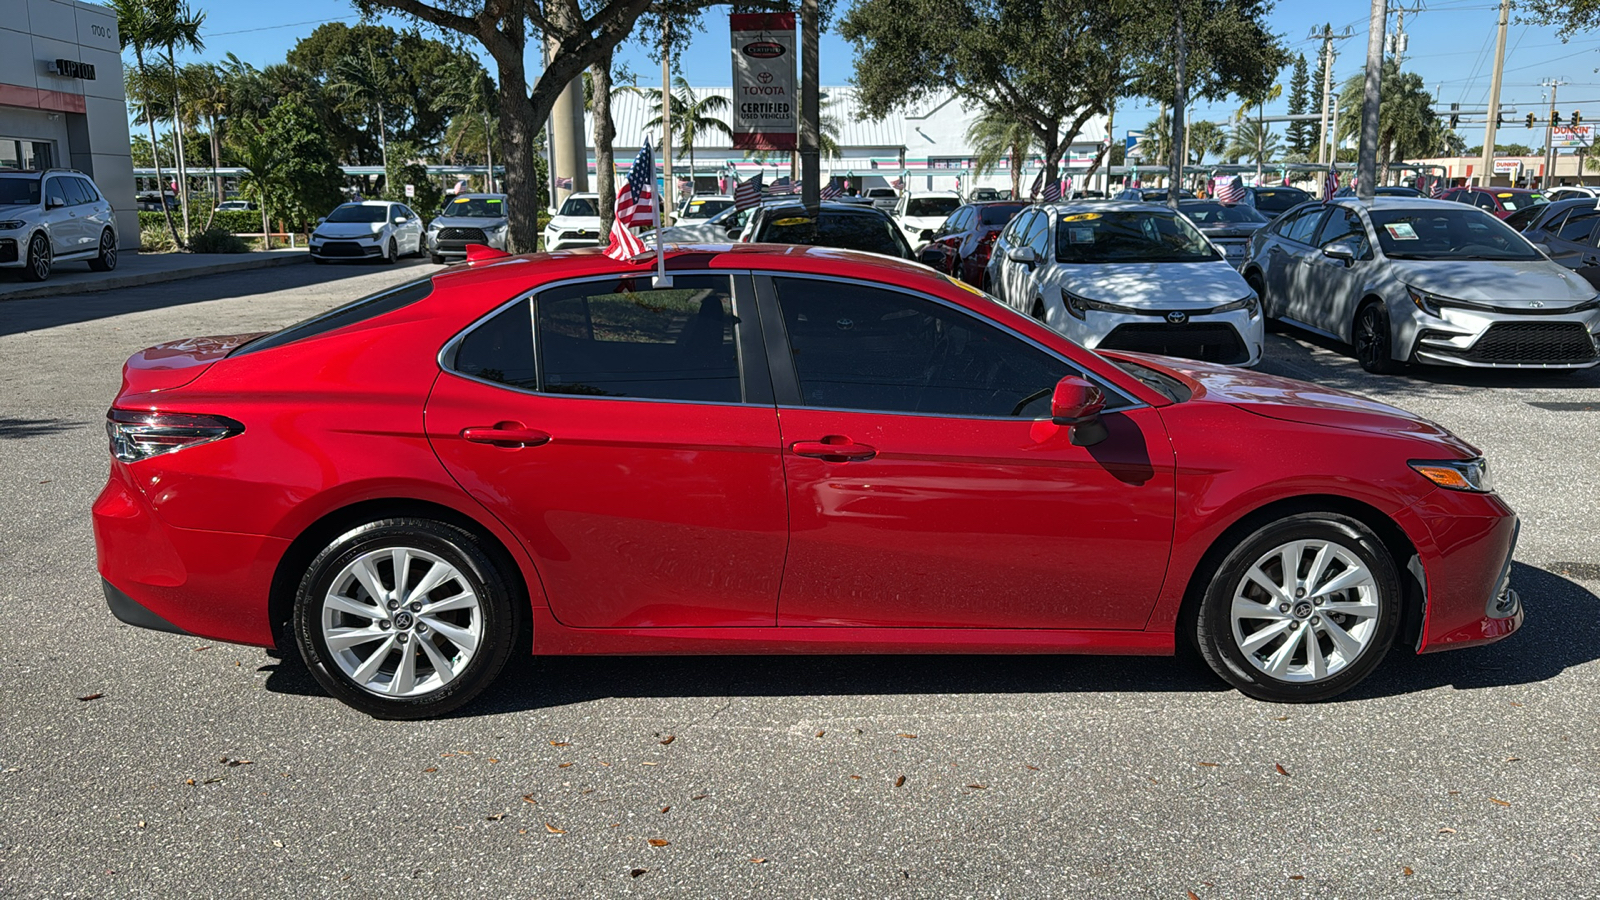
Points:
x=54 y=216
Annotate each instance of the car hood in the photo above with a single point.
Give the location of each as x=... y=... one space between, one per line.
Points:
x=176 y=363
x=1156 y=285
x=929 y=223
x=591 y=223
x=348 y=229
x=468 y=222
x=1509 y=284
x=1289 y=400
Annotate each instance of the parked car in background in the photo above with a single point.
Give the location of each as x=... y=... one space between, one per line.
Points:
x=1382 y=190
x=150 y=201
x=1274 y=200
x=919 y=214
x=1229 y=227
x=822 y=452
x=882 y=197
x=1571 y=192
x=982 y=195
x=1150 y=195
x=1498 y=201
x=234 y=206
x=1425 y=281
x=1568 y=231
x=575 y=224
x=370 y=229
x=1126 y=275
x=847 y=226
x=703 y=206
x=467 y=219
x=54 y=216
x=722 y=228
x=960 y=248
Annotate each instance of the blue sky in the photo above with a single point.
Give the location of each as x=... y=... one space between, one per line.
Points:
x=1451 y=46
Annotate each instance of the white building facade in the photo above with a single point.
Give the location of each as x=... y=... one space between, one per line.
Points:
x=61 y=99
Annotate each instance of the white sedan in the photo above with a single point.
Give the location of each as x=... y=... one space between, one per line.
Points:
x=371 y=229
x=1121 y=275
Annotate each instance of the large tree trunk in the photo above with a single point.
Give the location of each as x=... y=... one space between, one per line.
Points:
x=605 y=133
x=519 y=128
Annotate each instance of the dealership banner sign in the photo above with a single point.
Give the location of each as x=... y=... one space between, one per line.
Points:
x=765 y=102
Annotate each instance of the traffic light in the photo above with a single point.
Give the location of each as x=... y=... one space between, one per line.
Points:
x=1577 y=118
x=1555 y=120
x=1531 y=119
x=1499 y=120
x=1455 y=117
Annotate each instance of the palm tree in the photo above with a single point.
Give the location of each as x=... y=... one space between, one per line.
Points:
x=364 y=80
x=692 y=116
x=1407 y=126
x=139 y=26
x=994 y=136
x=470 y=93
x=206 y=87
x=1206 y=139
x=1156 y=144
x=1261 y=134
x=180 y=27
x=1250 y=139
x=259 y=159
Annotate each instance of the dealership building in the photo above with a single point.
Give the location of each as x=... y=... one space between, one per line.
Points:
x=61 y=100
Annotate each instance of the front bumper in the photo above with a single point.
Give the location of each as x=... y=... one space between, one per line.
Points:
x=1493 y=340
x=1467 y=566
x=10 y=253
x=345 y=249
x=1231 y=338
x=571 y=238
x=452 y=242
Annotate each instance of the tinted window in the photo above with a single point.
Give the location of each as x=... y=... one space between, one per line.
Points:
x=1448 y=233
x=1218 y=214
x=360 y=212
x=1019 y=228
x=1303 y=225
x=873 y=233
x=83 y=190
x=578 y=206
x=55 y=191
x=931 y=206
x=1001 y=213
x=501 y=349
x=73 y=189
x=1511 y=202
x=370 y=306
x=705 y=209
x=1279 y=199
x=1130 y=237
x=1343 y=225
x=1039 y=236
x=623 y=339
x=1577 y=227
x=858 y=347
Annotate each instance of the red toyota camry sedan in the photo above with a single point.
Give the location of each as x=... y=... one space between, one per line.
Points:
x=784 y=450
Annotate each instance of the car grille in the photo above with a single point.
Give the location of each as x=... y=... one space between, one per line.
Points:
x=8 y=251
x=342 y=248
x=1533 y=343
x=472 y=235
x=1209 y=343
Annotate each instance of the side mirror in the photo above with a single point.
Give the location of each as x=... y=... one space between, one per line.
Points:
x=1024 y=255
x=54 y=203
x=927 y=235
x=1343 y=251
x=1076 y=404
x=321 y=219
x=1542 y=248
x=401 y=220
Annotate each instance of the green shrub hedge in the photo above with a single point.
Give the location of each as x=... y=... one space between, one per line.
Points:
x=233 y=221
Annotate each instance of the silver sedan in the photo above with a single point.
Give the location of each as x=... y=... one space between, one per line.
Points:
x=1427 y=281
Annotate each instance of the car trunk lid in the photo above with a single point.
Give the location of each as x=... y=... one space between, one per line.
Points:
x=172 y=365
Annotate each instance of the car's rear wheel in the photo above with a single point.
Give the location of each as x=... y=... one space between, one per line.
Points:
x=436 y=259
x=1374 y=342
x=405 y=618
x=1301 y=609
x=1254 y=280
x=107 y=260
x=392 y=256
x=38 y=263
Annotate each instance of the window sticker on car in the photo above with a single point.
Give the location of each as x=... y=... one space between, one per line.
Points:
x=1081 y=235
x=1081 y=217
x=1402 y=231
x=793 y=220
x=467 y=199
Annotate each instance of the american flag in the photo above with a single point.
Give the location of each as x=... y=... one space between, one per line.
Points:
x=1038 y=182
x=1330 y=184
x=563 y=184
x=1052 y=192
x=747 y=193
x=898 y=183
x=1229 y=190
x=831 y=190
x=1436 y=190
x=784 y=185
x=635 y=206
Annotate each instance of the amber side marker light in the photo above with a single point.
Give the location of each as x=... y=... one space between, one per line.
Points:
x=1456 y=475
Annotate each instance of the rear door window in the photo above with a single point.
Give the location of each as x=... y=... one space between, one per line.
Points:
x=1303 y=226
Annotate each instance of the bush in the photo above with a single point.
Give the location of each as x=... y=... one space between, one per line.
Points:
x=233 y=221
x=216 y=240
x=155 y=238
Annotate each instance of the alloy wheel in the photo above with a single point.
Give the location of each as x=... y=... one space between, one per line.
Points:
x=108 y=250
x=401 y=622
x=39 y=257
x=1305 y=611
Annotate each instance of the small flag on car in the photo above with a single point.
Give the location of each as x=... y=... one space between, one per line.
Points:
x=1228 y=190
x=1038 y=182
x=635 y=206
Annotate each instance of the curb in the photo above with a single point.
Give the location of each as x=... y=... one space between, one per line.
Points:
x=276 y=258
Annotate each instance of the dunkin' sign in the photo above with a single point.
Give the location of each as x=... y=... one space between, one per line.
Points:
x=765 y=103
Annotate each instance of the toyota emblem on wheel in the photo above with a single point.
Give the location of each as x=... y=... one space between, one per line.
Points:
x=1177 y=318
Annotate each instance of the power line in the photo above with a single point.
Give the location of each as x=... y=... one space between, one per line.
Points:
x=287 y=25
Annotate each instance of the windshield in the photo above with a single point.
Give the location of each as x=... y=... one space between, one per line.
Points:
x=845 y=230
x=1512 y=202
x=1462 y=233
x=19 y=191
x=578 y=206
x=1001 y=213
x=359 y=213
x=1130 y=237
x=475 y=208
x=1204 y=214
x=705 y=209
x=1280 y=199
x=931 y=206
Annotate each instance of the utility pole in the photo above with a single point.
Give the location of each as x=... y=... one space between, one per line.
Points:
x=1178 y=156
x=1494 y=93
x=810 y=110
x=1398 y=40
x=1328 y=37
x=1367 y=161
x=666 y=125
x=1550 y=136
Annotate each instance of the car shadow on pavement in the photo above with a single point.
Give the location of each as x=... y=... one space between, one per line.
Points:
x=21 y=429
x=1562 y=631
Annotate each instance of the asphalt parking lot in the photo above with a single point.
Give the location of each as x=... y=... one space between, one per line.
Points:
x=207 y=770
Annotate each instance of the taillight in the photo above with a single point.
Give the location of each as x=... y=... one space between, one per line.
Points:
x=139 y=435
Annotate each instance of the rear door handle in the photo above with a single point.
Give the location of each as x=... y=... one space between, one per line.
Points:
x=834 y=448
x=510 y=435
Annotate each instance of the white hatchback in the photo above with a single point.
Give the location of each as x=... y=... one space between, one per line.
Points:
x=1122 y=275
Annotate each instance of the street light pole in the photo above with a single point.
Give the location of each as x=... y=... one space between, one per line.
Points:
x=1494 y=93
x=1367 y=162
x=666 y=122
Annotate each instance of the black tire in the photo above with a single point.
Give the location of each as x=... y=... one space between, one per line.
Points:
x=39 y=258
x=393 y=256
x=1373 y=339
x=1219 y=641
x=499 y=619
x=1253 y=279
x=1038 y=310
x=436 y=259
x=107 y=260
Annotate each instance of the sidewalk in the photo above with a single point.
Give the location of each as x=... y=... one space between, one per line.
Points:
x=142 y=268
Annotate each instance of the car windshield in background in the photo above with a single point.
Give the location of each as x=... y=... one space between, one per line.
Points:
x=847 y=231
x=1280 y=199
x=1465 y=233
x=1130 y=237
x=19 y=191
x=359 y=213
x=475 y=208
x=1512 y=202
x=578 y=206
x=931 y=206
x=1002 y=213
x=705 y=209
x=1204 y=214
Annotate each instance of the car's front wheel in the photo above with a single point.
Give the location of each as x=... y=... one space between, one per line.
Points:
x=38 y=263
x=392 y=255
x=1374 y=341
x=405 y=618
x=1301 y=609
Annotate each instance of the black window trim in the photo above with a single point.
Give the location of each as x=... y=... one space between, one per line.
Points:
x=786 y=380
x=755 y=382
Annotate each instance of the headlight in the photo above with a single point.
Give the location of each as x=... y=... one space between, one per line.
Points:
x=1425 y=301
x=1079 y=305
x=1456 y=474
x=1250 y=303
x=11 y=224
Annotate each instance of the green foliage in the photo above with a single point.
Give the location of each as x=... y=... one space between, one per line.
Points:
x=1407 y=127
x=216 y=240
x=1302 y=136
x=1206 y=139
x=995 y=137
x=154 y=237
x=233 y=221
x=1230 y=49
x=401 y=172
x=1571 y=16
x=1247 y=136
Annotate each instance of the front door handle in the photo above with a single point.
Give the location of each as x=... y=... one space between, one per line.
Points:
x=509 y=435
x=834 y=448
